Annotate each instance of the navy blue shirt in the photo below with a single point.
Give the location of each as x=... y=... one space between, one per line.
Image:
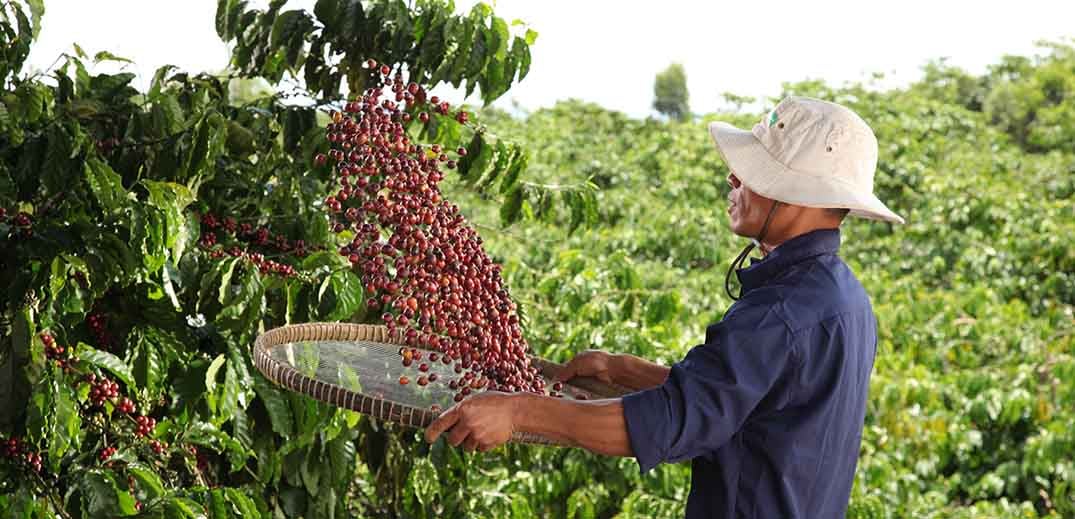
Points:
x=770 y=408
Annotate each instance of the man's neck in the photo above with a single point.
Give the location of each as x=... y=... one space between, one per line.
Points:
x=774 y=240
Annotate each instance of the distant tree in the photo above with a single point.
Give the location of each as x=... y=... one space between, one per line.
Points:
x=670 y=92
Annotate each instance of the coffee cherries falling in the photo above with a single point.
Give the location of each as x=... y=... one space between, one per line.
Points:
x=422 y=264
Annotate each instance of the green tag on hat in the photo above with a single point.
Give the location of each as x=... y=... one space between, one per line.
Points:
x=772 y=118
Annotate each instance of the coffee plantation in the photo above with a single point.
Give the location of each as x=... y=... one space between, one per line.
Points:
x=147 y=237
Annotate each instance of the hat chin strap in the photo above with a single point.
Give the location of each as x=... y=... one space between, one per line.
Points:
x=746 y=251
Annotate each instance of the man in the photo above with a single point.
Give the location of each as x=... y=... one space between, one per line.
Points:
x=770 y=407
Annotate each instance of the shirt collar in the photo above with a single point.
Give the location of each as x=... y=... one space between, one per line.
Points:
x=801 y=247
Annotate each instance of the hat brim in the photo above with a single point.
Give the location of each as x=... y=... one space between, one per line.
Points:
x=755 y=167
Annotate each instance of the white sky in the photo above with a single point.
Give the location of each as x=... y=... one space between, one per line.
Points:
x=608 y=52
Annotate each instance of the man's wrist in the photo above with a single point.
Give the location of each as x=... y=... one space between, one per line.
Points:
x=617 y=366
x=519 y=402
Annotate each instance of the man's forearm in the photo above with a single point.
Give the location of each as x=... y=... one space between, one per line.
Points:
x=594 y=425
x=637 y=373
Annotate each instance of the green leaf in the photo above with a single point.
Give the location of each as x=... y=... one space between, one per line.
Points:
x=289 y=31
x=245 y=505
x=147 y=481
x=209 y=435
x=108 y=56
x=348 y=291
x=479 y=163
x=227 y=270
x=297 y=121
x=464 y=36
x=158 y=81
x=218 y=508
x=328 y=12
x=475 y=148
x=500 y=30
x=229 y=398
x=183 y=508
x=166 y=117
x=106 y=185
x=248 y=296
x=277 y=406
x=310 y=470
x=172 y=199
x=102 y=497
x=107 y=361
x=150 y=364
x=211 y=375
x=505 y=153
x=424 y=481
x=66 y=431
x=521 y=56
x=37 y=10
x=227 y=13
x=478 y=50
x=509 y=210
x=511 y=178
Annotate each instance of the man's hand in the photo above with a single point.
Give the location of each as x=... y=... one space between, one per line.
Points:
x=590 y=363
x=481 y=422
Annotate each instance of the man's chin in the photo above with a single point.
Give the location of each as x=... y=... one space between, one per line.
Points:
x=738 y=231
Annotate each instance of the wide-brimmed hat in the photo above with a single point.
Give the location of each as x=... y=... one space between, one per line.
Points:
x=807 y=152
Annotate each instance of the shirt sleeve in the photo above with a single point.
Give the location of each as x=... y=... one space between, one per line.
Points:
x=711 y=392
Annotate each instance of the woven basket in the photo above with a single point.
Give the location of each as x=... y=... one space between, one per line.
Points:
x=381 y=409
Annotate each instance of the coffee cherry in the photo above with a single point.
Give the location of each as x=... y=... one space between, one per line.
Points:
x=106 y=453
x=320 y=159
x=126 y=406
x=558 y=386
x=423 y=117
x=403 y=381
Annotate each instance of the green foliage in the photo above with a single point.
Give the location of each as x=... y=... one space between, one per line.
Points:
x=670 y=95
x=617 y=242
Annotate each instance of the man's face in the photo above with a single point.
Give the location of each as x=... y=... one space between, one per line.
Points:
x=746 y=209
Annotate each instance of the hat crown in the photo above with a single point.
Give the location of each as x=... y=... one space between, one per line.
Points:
x=820 y=138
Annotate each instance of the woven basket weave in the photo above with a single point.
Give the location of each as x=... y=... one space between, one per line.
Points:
x=381 y=409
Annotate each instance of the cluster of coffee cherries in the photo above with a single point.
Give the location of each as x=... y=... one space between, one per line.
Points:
x=21 y=223
x=98 y=324
x=102 y=389
x=260 y=236
x=19 y=452
x=145 y=426
x=263 y=264
x=106 y=453
x=56 y=352
x=422 y=264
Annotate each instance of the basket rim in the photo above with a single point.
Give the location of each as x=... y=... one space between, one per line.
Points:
x=404 y=414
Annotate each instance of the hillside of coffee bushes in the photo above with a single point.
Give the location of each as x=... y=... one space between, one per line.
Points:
x=148 y=237
x=972 y=406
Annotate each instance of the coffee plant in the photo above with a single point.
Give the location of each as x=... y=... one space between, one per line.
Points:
x=147 y=237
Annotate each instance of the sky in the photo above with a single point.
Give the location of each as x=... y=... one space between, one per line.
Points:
x=609 y=52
